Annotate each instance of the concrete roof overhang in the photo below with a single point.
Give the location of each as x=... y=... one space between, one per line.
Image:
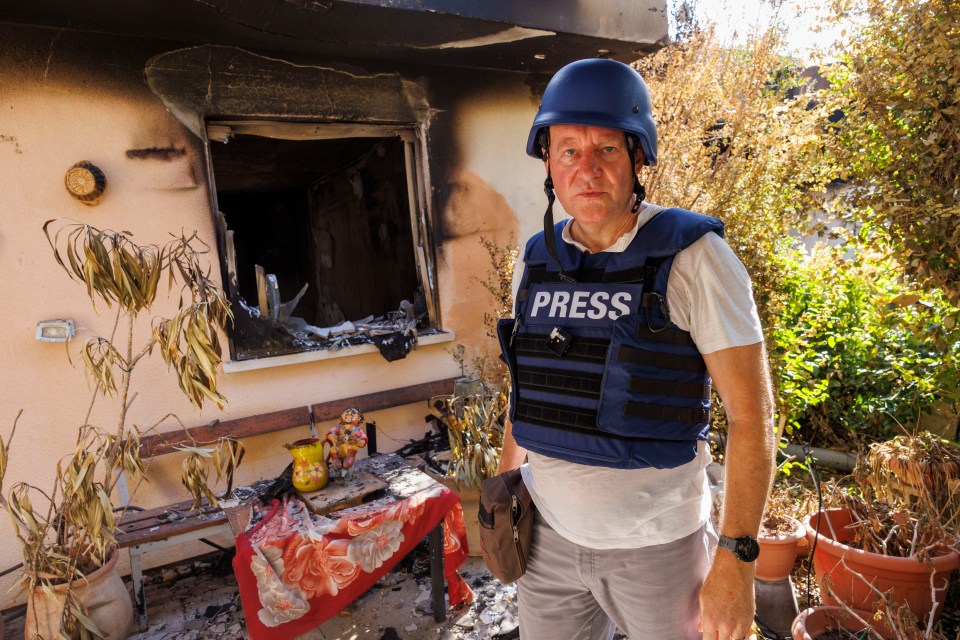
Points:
x=504 y=35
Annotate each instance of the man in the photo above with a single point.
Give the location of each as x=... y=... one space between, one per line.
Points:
x=624 y=316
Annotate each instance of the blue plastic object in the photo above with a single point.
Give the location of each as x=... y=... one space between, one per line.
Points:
x=600 y=93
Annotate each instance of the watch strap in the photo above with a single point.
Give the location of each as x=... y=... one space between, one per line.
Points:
x=728 y=543
x=744 y=547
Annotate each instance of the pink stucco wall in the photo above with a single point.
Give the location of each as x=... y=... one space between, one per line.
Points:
x=53 y=114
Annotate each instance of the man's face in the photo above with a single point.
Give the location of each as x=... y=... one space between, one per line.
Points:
x=592 y=173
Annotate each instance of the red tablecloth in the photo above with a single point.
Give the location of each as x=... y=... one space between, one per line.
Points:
x=296 y=570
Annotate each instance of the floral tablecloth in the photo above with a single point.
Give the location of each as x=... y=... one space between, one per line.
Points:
x=296 y=569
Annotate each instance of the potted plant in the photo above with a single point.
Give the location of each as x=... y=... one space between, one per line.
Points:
x=67 y=531
x=474 y=425
x=818 y=622
x=780 y=533
x=885 y=546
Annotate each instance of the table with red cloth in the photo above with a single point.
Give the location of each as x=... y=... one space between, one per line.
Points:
x=296 y=569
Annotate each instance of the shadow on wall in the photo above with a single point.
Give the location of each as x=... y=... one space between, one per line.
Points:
x=473 y=210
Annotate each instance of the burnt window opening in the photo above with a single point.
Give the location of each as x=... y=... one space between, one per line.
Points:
x=320 y=242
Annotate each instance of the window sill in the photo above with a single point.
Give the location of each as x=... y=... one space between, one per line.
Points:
x=237 y=366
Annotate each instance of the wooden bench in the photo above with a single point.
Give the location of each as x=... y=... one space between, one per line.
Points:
x=141 y=531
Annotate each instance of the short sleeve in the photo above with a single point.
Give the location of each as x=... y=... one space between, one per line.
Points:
x=710 y=295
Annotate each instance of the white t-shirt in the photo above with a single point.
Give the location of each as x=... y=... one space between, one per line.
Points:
x=708 y=294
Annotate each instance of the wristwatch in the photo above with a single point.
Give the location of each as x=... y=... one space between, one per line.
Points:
x=744 y=547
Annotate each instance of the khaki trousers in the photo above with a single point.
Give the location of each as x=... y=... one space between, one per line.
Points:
x=570 y=592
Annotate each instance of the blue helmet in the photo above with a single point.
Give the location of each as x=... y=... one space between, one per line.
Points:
x=600 y=93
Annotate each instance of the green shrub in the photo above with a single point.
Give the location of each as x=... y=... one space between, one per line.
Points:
x=897 y=78
x=859 y=355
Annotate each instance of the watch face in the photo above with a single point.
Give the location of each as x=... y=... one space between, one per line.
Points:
x=747 y=549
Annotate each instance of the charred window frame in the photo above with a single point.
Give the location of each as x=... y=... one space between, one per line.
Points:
x=377 y=161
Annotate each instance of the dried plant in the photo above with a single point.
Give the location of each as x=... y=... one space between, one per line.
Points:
x=499 y=283
x=921 y=472
x=895 y=619
x=907 y=503
x=225 y=458
x=475 y=423
x=499 y=280
x=786 y=504
x=486 y=368
x=900 y=494
x=891 y=531
x=894 y=525
x=740 y=139
x=70 y=530
x=900 y=620
x=475 y=430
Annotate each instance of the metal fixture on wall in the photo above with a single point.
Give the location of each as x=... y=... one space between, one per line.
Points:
x=55 y=330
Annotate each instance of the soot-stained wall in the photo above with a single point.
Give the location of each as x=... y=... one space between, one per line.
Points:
x=67 y=96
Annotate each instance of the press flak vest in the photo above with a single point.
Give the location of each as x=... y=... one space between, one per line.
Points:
x=601 y=376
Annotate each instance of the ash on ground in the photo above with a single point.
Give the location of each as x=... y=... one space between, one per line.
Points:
x=199 y=601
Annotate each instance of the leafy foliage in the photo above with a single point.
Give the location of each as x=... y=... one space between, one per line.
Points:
x=499 y=280
x=115 y=270
x=898 y=82
x=740 y=138
x=859 y=353
x=744 y=138
x=70 y=531
x=739 y=141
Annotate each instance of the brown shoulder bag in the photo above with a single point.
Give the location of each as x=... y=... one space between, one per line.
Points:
x=506 y=525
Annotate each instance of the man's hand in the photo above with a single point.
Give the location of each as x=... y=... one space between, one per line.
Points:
x=726 y=600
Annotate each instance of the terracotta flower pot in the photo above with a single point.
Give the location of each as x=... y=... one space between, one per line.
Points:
x=104 y=594
x=815 y=622
x=778 y=553
x=850 y=581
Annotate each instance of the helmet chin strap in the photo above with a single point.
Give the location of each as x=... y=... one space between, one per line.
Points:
x=638 y=189
x=549 y=236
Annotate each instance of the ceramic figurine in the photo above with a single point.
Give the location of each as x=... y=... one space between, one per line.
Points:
x=345 y=439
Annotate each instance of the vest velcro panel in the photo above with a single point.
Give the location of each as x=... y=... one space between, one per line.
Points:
x=652 y=411
x=673 y=336
x=554 y=416
x=659 y=387
x=588 y=350
x=585 y=385
x=662 y=360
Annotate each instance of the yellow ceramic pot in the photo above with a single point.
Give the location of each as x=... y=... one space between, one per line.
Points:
x=309 y=465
